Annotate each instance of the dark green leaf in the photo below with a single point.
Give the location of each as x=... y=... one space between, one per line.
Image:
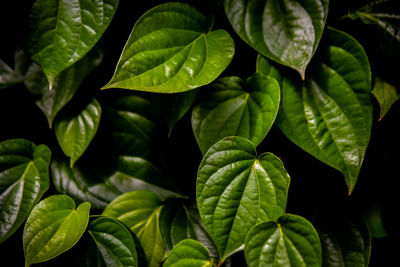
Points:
x=9 y=76
x=235 y=190
x=291 y=241
x=24 y=177
x=236 y=108
x=374 y=219
x=189 y=253
x=60 y=32
x=53 y=227
x=386 y=94
x=285 y=31
x=171 y=50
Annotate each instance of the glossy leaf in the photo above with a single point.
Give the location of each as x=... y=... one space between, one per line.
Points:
x=171 y=50
x=285 y=31
x=24 y=177
x=74 y=132
x=140 y=211
x=236 y=189
x=189 y=253
x=386 y=94
x=330 y=114
x=233 y=107
x=53 y=227
x=62 y=32
x=291 y=241
x=10 y=76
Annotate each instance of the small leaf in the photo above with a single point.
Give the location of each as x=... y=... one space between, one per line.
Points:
x=53 y=227
x=62 y=32
x=235 y=190
x=24 y=177
x=75 y=132
x=386 y=94
x=291 y=241
x=171 y=50
x=285 y=31
x=189 y=253
x=9 y=76
x=235 y=108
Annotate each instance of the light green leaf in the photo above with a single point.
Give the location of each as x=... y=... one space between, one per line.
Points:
x=291 y=241
x=386 y=94
x=60 y=32
x=285 y=31
x=232 y=107
x=171 y=50
x=236 y=189
x=53 y=227
x=189 y=253
x=74 y=132
x=24 y=177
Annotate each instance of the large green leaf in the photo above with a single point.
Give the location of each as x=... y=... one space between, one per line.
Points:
x=114 y=242
x=189 y=253
x=24 y=177
x=233 y=107
x=74 y=132
x=291 y=241
x=329 y=115
x=236 y=189
x=386 y=94
x=140 y=211
x=170 y=50
x=285 y=31
x=53 y=227
x=60 y=32
x=10 y=76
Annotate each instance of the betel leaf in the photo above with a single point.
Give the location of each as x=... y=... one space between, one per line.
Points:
x=189 y=253
x=291 y=241
x=329 y=115
x=140 y=211
x=285 y=31
x=236 y=189
x=114 y=242
x=171 y=49
x=386 y=94
x=53 y=227
x=60 y=32
x=232 y=107
x=24 y=177
x=10 y=76
x=74 y=132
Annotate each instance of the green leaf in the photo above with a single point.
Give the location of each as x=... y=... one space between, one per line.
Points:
x=189 y=253
x=171 y=50
x=140 y=211
x=114 y=242
x=9 y=76
x=375 y=220
x=74 y=132
x=235 y=108
x=235 y=190
x=53 y=227
x=329 y=115
x=62 y=32
x=24 y=177
x=285 y=31
x=386 y=94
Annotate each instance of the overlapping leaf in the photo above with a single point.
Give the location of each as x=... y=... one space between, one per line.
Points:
x=386 y=94
x=188 y=253
x=10 y=76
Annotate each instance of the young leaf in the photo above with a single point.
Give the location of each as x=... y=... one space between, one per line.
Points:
x=53 y=227
x=291 y=241
x=235 y=190
x=386 y=94
x=171 y=50
x=236 y=108
x=285 y=31
x=75 y=132
x=24 y=178
x=189 y=253
x=62 y=32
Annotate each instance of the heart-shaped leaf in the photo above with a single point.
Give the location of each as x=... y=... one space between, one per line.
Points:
x=386 y=94
x=24 y=177
x=171 y=50
x=140 y=211
x=189 y=253
x=74 y=132
x=232 y=107
x=62 y=32
x=330 y=114
x=53 y=227
x=291 y=241
x=236 y=189
x=285 y=31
